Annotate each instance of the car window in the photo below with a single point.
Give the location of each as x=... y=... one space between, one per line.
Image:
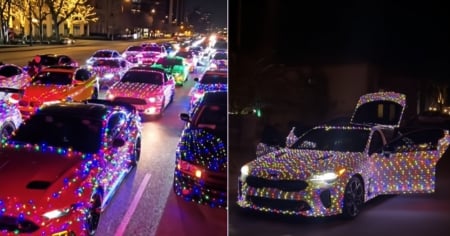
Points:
x=51 y=77
x=64 y=131
x=9 y=71
x=115 y=124
x=82 y=75
x=145 y=77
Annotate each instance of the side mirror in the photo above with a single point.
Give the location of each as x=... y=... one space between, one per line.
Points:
x=184 y=117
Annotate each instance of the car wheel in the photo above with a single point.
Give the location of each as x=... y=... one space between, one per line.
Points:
x=6 y=132
x=353 y=198
x=94 y=94
x=93 y=215
x=136 y=153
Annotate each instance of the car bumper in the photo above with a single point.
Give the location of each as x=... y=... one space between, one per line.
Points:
x=202 y=191
x=313 y=202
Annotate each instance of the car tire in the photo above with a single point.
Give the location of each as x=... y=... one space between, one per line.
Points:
x=136 y=152
x=6 y=131
x=93 y=215
x=94 y=94
x=353 y=198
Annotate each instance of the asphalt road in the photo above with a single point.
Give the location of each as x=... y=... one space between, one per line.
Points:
x=145 y=204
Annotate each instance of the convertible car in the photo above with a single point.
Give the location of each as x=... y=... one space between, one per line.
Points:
x=55 y=84
x=175 y=66
x=62 y=166
x=334 y=170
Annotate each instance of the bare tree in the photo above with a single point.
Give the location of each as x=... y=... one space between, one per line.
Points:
x=61 y=10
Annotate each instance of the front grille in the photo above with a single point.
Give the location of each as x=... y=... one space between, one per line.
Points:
x=279 y=204
x=135 y=101
x=284 y=185
x=16 y=225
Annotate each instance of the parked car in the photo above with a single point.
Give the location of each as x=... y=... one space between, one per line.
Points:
x=334 y=170
x=56 y=84
x=201 y=156
x=62 y=166
x=132 y=53
x=150 y=90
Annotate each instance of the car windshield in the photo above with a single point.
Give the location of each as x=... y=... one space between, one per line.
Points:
x=184 y=54
x=145 y=77
x=80 y=134
x=49 y=60
x=341 y=140
x=135 y=48
x=214 y=79
x=107 y=63
x=102 y=54
x=55 y=78
x=169 y=62
x=220 y=56
x=152 y=49
x=213 y=118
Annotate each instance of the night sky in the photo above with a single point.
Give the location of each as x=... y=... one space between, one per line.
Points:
x=404 y=32
x=217 y=8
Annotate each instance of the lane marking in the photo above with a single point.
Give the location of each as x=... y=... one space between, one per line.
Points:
x=126 y=219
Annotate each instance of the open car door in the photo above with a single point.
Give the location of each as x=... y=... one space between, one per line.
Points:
x=407 y=164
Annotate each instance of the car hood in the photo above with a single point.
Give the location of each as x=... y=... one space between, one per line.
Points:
x=204 y=148
x=140 y=90
x=294 y=164
x=46 y=92
x=27 y=173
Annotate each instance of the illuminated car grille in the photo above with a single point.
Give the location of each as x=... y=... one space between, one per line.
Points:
x=13 y=224
x=284 y=205
x=136 y=101
x=284 y=185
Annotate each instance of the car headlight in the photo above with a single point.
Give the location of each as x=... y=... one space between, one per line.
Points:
x=53 y=102
x=108 y=76
x=57 y=213
x=109 y=96
x=152 y=99
x=245 y=171
x=326 y=179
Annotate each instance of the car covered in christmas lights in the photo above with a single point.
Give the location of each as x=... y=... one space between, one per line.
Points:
x=10 y=117
x=109 y=71
x=62 y=166
x=102 y=54
x=201 y=154
x=334 y=170
x=175 y=66
x=149 y=89
x=211 y=80
x=151 y=53
x=55 y=84
x=131 y=53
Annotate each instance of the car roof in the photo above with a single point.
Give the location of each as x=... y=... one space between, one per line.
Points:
x=215 y=97
x=92 y=109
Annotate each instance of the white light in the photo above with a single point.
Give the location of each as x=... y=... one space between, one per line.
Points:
x=109 y=75
x=53 y=214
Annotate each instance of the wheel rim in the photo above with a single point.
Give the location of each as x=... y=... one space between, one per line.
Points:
x=354 y=197
x=5 y=133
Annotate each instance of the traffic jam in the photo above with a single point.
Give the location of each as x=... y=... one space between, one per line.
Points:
x=72 y=131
